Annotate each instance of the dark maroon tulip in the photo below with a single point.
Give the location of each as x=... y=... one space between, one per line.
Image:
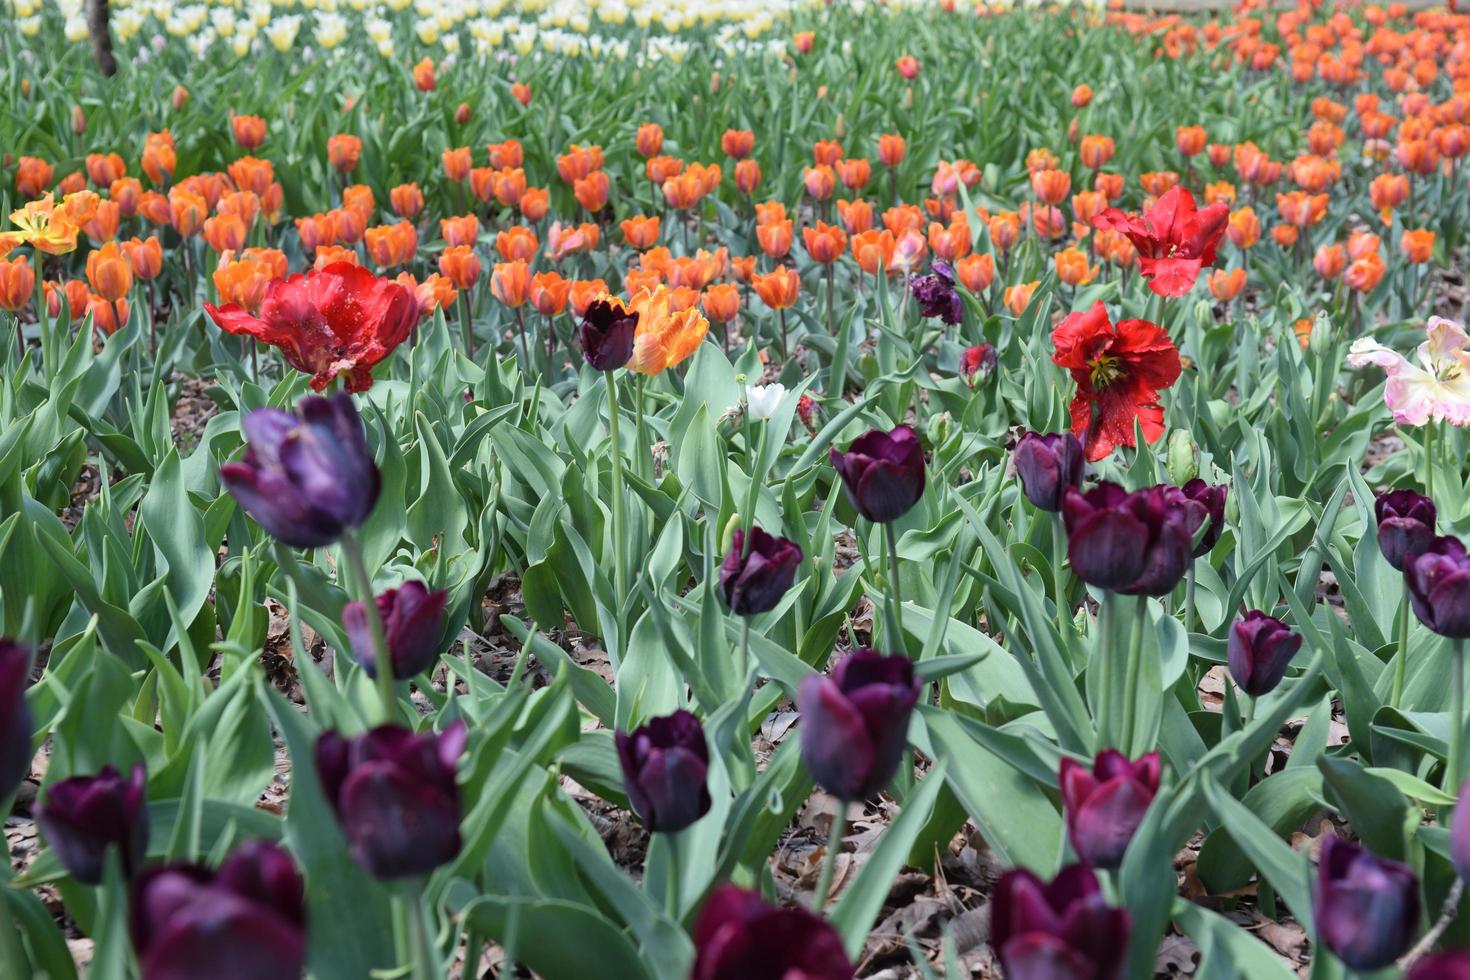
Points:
x=84 y=815
x=1405 y=525
x=980 y=359
x=665 y=763
x=1047 y=466
x=855 y=723
x=308 y=477
x=1062 y=930
x=15 y=715
x=1135 y=543
x=413 y=618
x=1366 y=907
x=1106 y=805
x=395 y=796
x=246 y=921
x=883 y=473
x=1438 y=579
x=1460 y=834
x=1453 y=964
x=1212 y=498
x=1260 y=648
x=936 y=295
x=755 y=581
x=607 y=335
x=739 y=937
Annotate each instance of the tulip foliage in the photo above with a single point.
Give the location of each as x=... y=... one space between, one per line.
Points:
x=600 y=492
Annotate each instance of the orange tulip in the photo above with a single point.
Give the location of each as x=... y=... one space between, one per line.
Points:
x=802 y=41
x=891 y=149
x=17 y=283
x=252 y=174
x=1364 y=274
x=535 y=203
x=826 y=153
x=683 y=191
x=549 y=293
x=649 y=140
x=1108 y=185
x=779 y=288
x=332 y=254
x=155 y=208
x=460 y=265
x=510 y=283
x=78 y=296
x=103 y=169
x=461 y=117
x=976 y=272
x=664 y=336
x=145 y=257
x=188 y=211
x=242 y=281
x=854 y=174
x=578 y=162
x=343 y=152
x=225 y=232
x=1300 y=208
x=103 y=226
x=661 y=169
x=460 y=231
x=950 y=243
x=1095 y=151
x=1189 y=140
x=516 y=242
x=32 y=177
x=775 y=238
x=747 y=176
x=1221 y=191
x=179 y=98
x=242 y=203
x=159 y=159
x=521 y=92
x=721 y=302
x=107 y=316
x=737 y=143
x=1417 y=244
x=508 y=153
x=391 y=245
x=1081 y=96
x=1158 y=182
x=1329 y=261
x=1018 y=297
x=1243 y=228
x=873 y=250
x=349 y=224
x=423 y=76
x=820 y=181
x=1087 y=205
x=1051 y=186
x=109 y=273
x=1285 y=235
x=457 y=163
x=592 y=191
x=1072 y=267
x=407 y=200
x=1225 y=285
x=856 y=215
x=249 y=131
x=584 y=293
x=1004 y=228
x=127 y=193
x=824 y=243
x=639 y=231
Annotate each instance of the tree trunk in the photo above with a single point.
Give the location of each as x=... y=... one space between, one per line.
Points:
x=97 y=27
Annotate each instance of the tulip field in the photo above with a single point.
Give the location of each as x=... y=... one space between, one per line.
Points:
x=733 y=490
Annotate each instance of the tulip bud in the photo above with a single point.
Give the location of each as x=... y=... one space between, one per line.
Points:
x=753 y=581
x=665 y=767
x=607 y=335
x=1047 y=466
x=839 y=128
x=84 y=815
x=1405 y=525
x=882 y=473
x=1438 y=580
x=940 y=427
x=1133 y=543
x=1062 y=928
x=462 y=114
x=1105 y=806
x=854 y=724
x=737 y=935
x=1259 y=649
x=78 y=120
x=412 y=617
x=1366 y=907
x=180 y=97
x=1182 y=457
x=15 y=716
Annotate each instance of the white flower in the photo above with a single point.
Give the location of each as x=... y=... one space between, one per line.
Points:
x=763 y=400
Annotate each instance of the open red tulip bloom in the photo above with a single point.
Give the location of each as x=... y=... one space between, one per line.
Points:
x=338 y=320
x=1119 y=370
x=1174 y=241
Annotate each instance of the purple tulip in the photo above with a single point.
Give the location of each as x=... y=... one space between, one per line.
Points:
x=15 y=715
x=607 y=335
x=665 y=763
x=245 y=921
x=1062 y=930
x=739 y=937
x=1405 y=525
x=413 y=618
x=1453 y=964
x=1366 y=907
x=84 y=815
x=1259 y=649
x=937 y=296
x=855 y=723
x=883 y=473
x=308 y=477
x=1460 y=834
x=1105 y=806
x=395 y=796
x=1135 y=543
x=1047 y=466
x=1212 y=498
x=1438 y=579
x=754 y=582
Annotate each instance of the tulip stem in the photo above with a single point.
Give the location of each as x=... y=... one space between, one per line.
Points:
x=382 y=659
x=671 y=886
x=425 y=956
x=754 y=446
x=1189 y=591
x=1130 y=677
x=1457 y=717
x=613 y=411
x=1429 y=458
x=645 y=454
x=469 y=331
x=893 y=588
x=1400 y=669
x=829 y=860
x=13 y=961
x=1061 y=581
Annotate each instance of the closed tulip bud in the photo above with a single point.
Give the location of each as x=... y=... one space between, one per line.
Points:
x=305 y=477
x=1212 y=498
x=739 y=937
x=1405 y=525
x=1048 y=465
x=882 y=473
x=649 y=140
x=753 y=581
x=665 y=767
x=977 y=360
x=1106 y=804
x=1438 y=580
x=180 y=98
x=854 y=723
x=85 y=815
x=373 y=781
x=424 y=78
x=462 y=114
x=78 y=120
x=246 y=919
x=1366 y=907
x=412 y=618
x=249 y=131
x=1182 y=457
x=1057 y=930
x=1259 y=649
x=891 y=149
x=15 y=716
x=521 y=92
x=607 y=334
x=1132 y=543
x=747 y=176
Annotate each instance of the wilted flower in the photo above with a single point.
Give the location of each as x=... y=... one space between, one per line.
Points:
x=665 y=766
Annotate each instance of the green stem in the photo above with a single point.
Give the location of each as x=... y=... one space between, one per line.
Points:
x=1401 y=668
x=1189 y=586
x=13 y=960
x=671 y=886
x=744 y=646
x=425 y=956
x=1107 y=612
x=754 y=447
x=619 y=544
x=1457 y=718
x=1130 y=677
x=464 y=322
x=645 y=454
x=382 y=659
x=1061 y=581
x=896 y=597
x=829 y=860
x=1429 y=458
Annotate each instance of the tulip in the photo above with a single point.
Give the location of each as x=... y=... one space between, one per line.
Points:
x=854 y=723
x=1329 y=261
x=1225 y=285
x=510 y=282
x=979 y=359
x=1135 y=543
x=936 y=295
x=1438 y=580
x=592 y=191
x=457 y=163
x=1081 y=96
x=376 y=780
x=737 y=143
x=891 y=149
x=305 y=477
x=664 y=337
x=882 y=473
x=17 y=283
x=246 y=919
x=15 y=716
x=104 y=169
x=549 y=293
x=1451 y=964
x=109 y=273
x=521 y=92
x=423 y=76
x=412 y=618
x=1366 y=907
x=1105 y=805
x=145 y=257
x=1213 y=500
x=607 y=334
x=1058 y=929
x=1260 y=649
x=649 y=139
x=32 y=177
x=754 y=579
x=721 y=302
x=1417 y=244
x=739 y=937
x=640 y=232
x=1048 y=465
x=665 y=763
x=1095 y=151
x=1405 y=525
x=407 y=200
x=824 y=243
x=84 y=815
x=343 y=152
x=976 y=272
x=747 y=176
x=249 y=131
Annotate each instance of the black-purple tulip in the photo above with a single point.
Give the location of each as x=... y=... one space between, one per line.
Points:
x=395 y=796
x=1438 y=580
x=607 y=335
x=665 y=767
x=1212 y=498
x=1048 y=465
x=1366 y=906
x=1137 y=543
x=1259 y=650
x=1460 y=834
x=937 y=296
x=15 y=715
x=1057 y=930
x=83 y=816
x=754 y=581
x=305 y=477
x=1105 y=805
x=1405 y=525
x=245 y=921
x=738 y=936
x=413 y=618
x=855 y=723
x=1452 y=964
x=882 y=472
